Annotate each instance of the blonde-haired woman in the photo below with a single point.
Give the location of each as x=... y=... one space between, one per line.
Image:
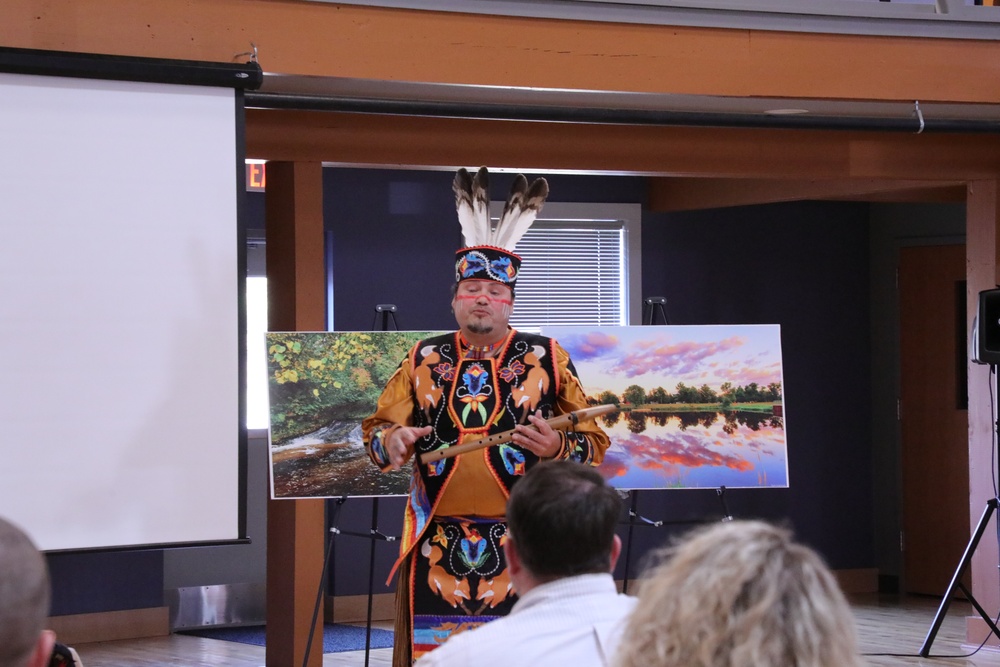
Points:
x=739 y=594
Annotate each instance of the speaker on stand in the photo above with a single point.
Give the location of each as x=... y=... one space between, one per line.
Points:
x=986 y=330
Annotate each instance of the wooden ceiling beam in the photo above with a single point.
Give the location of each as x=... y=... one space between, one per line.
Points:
x=639 y=150
x=326 y=39
x=682 y=194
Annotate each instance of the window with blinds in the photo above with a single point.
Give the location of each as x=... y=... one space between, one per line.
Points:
x=573 y=273
x=582 y=266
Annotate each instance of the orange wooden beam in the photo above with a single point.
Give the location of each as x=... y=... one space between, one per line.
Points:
x=666 y=151
x=327 y=39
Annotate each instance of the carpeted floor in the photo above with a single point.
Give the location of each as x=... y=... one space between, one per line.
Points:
x=336 y=637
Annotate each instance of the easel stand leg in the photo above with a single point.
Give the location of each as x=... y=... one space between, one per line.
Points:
x=371 y=580
x=956 y=582
x=628 y=541
x=634 y=518
x=721 y=492
x=319 y=591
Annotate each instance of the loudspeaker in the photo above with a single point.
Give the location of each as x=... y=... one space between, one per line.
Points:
x=988 y=327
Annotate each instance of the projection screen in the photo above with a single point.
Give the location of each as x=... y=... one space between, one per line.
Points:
x=121 y=322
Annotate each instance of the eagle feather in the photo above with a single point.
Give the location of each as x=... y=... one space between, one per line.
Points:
x=523 y=205
x=473 y=213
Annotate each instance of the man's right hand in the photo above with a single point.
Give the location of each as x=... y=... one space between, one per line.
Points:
x=401 y=444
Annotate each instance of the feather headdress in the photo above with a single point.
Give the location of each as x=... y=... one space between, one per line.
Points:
x=472 y=201
x=488 y=254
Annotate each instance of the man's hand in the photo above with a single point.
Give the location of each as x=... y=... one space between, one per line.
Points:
x=542 y=440
x=401 y=444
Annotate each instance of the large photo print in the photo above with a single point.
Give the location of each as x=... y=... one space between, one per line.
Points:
x=701 y=406
x=321 y=385
x=696 y=406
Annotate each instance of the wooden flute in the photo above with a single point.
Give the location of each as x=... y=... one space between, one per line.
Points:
x=559 y=422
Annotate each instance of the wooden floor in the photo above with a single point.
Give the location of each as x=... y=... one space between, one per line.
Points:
x=886 y=624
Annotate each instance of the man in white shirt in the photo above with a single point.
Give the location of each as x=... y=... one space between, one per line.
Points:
x=561 y=549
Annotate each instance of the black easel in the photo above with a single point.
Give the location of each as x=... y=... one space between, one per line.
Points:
x=374 y=534
x=634 y=518
x=652 y=306
x=963 y=564
x=388 y=311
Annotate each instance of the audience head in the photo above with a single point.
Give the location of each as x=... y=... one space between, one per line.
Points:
x=561 y=520
x=740 y=593
x=24 y=601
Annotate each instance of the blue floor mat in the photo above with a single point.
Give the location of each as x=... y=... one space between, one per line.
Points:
x=336 y=637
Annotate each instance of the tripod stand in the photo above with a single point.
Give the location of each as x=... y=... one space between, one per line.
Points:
x=956 y=582
x=963 y=564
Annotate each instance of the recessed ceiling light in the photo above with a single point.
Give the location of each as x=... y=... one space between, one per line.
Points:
x=785 y=112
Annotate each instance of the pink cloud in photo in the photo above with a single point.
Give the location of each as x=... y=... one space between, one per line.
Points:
x=672 y=358
x=744 y=375
x=591 y=345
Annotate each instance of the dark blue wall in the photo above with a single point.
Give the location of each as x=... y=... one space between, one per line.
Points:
x=395 y=234
x=84 y=583
x=803 y=266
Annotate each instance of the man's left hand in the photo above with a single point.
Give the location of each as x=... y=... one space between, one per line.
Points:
x=542 y=440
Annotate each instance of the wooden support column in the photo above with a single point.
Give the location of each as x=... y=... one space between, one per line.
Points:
x=296 y=302
x=983 y=272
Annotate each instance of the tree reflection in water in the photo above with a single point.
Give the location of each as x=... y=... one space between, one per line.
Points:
x=636 y=422
x=694 y=449
x=639 y=420
x=610 y=419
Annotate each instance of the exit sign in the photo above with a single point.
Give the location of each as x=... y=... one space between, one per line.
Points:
x=255 y=177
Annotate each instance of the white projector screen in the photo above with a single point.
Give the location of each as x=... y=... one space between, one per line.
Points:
x=120 y=312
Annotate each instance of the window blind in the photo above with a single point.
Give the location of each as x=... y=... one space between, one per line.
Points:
x=573 y=273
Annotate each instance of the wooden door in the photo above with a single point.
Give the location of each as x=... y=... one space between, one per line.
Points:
x=933 y=415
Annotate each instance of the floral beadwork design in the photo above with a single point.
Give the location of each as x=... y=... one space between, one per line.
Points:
x=512 y=371
x=474 y=391
x=445 y=370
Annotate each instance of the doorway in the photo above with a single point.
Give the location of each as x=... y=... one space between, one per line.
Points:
x=933 y=415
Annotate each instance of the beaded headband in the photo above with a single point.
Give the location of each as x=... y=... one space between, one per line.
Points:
x=488 y=254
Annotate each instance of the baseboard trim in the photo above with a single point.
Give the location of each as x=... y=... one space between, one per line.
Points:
x=976 y=631
x=111 y=625
x=354 y=608
x=861 y=580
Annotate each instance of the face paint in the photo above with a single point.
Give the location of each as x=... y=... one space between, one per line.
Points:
x=496 y=302
x=482 y=306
